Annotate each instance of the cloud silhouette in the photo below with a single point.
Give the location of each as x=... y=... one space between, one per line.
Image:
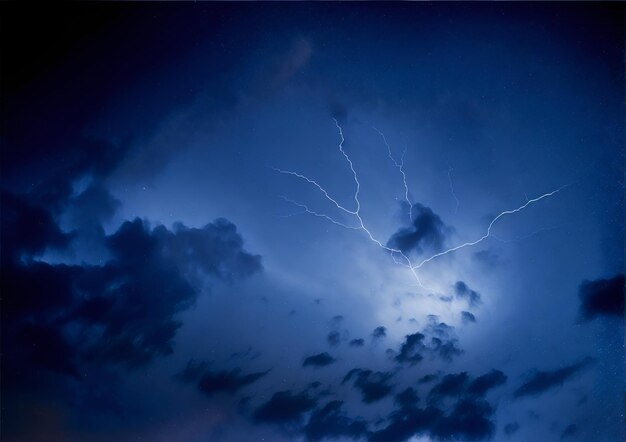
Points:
x=542 y=381
x=427 y=232
x=602 y=297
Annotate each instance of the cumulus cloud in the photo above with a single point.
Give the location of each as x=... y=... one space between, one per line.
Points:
x=462 y=291
x=469 y=418
x=357 y=342
x=437 y=339
x=405 y=423
x=333 y=338
x=123 y=311
x=27 y=229
x=467 y=317
x=379 y=332
x=213 y=382
x=541 y=381
x=459 y=384
x=456 y=410
x=602 y=297
x=427 y=378
x=373 y=385
x=410 y=349
x=318 y=360
x=407 y=398
x=486 y=382
x=331 y=422
x=284 y=407
x=427 y=232
x=227 y=381
x=450 y=385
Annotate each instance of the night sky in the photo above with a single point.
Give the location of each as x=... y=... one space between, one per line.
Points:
x=312 y=221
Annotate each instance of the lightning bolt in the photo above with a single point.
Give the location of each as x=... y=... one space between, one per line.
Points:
x=397 y=255
x=400 y=167
x=314 y=213
x=458 y=203
x=488 y=232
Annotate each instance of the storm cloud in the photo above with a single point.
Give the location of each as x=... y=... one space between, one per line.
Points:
x=541 y=381
x=156 y=286
x=426 y=233
x=602 y=297
x=318 y=360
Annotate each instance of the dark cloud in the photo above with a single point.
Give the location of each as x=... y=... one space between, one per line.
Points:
x=284 y=407
x=462 y=291
x=542 y=381
x=330 y=422
x=248 y=354
x=192 y=371
x=27 y=229
x=442 y=343
x=337 y=319
x=121 y=302
x=59 y=169
x=373 y=385
x=469 y=418
x=410 y=349
x=602 y=297
x=333 y=338
x=118 y=312
x=445 y=349
x=427 y=232
x=48 y=348
x=86 y=213
x=50 y=137
x=226 y=381
x=511 y=428
x=486 y=382
x=61 y=322
x=450 y=385
x=460 y=385
x=467 y=317
x=379 y=332
x=408 y=398
x=407 y=422
x=569 y=431
x=427 y=378
x=215 y=249
x=319 y=360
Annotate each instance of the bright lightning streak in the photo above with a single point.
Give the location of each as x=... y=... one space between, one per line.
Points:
x=314 y=213
x=397 y=255
x=405 y=261
x=488 y=233
x=452 y=190
x=328 y=197
x=400 y=167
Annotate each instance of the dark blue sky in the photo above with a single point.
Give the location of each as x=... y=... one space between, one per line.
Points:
x=163 y=280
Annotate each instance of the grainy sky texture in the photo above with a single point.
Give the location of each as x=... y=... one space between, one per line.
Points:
x=312 y=221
